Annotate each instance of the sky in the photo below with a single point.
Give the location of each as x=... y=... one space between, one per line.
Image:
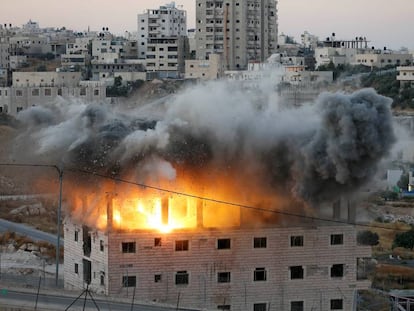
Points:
x=382 y=22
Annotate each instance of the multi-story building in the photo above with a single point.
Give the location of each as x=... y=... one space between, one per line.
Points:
x=41 y=88
x=221 y=262
x=382 y=58
x=162 y=41
x=406 y=75
x=242 y=31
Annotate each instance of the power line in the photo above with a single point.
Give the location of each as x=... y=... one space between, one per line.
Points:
x=284 y=213
x=255 y=208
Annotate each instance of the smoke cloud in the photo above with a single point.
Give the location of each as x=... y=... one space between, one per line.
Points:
x=314 y=153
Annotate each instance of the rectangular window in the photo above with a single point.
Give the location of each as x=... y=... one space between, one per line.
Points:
x=101 y=245
x=296 y=240
x=35 y=92
x=96 y=92
x=260 y=307
x=337 y=239
x=181 y=245
x=59 y=92
x=76 y=268
x=259 y=274
x=296 y=306
x=157 y=242
x=128 y=247
x=337 y=271
x=83 y=91
x=336 y=304
x=76 y=236
x=18 y=109
x=223 y=243
x=223 y=277
x=102 y=277
x=129 y=281
x=19 y=93
x=48 y=92
x=296 y=272
x=181 y=277
x=224 y=307
x=260 y=242
x=157 y=278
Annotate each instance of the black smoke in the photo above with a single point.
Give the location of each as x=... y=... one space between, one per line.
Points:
x=314 y=153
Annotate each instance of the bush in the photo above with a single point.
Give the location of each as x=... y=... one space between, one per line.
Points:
x=367 y=238
x=405 y=239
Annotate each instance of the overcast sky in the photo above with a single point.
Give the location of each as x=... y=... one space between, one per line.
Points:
x=383 y=22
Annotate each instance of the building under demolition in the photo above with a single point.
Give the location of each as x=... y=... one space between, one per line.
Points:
x=193 y=253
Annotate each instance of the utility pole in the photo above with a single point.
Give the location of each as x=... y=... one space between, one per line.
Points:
x=59 y=213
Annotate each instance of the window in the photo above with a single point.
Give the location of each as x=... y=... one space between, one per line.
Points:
x=128 y=247
x=260 y=242
x=296 y=306
x=96 y=92
x=101 y=245
x=76 y=236
x=35 y=92
x=223 y=277
x=224 y=307
x=181 y=245
x=18 y=109
x=59 y=92
x=157 y=278
x=260 y=307
x=83 y=91
x=260 y=274
x=48 y=92
x=296 y=272
x=157 y=242
x=337 y=271
x=296 y=240
x=76 y=268
x=337 y=239
x=19 y=93
x=129 y=281
x=336 y=304
x=223 y=244
x=102 y=279
x=181 y=277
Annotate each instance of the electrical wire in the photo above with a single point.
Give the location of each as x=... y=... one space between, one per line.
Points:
x=255 y=208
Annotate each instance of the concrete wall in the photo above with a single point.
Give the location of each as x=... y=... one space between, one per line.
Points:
x=203 y=261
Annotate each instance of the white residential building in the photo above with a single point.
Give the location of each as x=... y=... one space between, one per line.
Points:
x=236 y=266
x=406 y=75
x=41 y=88
x=168 y=21
x=204 y=70
x=243 y=31
x=381 y=58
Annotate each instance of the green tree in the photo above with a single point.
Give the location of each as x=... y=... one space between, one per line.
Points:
x=405 y=239
x=367 y=238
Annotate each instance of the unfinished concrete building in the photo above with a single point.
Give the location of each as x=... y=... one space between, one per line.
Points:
x=193 y=254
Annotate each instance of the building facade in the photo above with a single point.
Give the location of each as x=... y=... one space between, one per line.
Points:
x=242 y=31
x=252 y=268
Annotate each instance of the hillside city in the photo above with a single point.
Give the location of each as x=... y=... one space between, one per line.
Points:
x=290 y=189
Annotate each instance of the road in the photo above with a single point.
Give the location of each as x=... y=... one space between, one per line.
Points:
x=24 y=299
x=34 y=234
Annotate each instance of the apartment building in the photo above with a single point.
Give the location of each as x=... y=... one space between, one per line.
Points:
x=406 y=75
x=163 y=42
x=242 y=31
x=204 y=70
x=219 y=266
x=41 y=88
x=382 y=58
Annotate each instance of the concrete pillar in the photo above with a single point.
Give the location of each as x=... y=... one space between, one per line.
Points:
x=164 y=211
x=200 y=221
x=336 y=209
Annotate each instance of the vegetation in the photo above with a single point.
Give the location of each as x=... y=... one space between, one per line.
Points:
x=120 y=89
x=367 y=238
x=405 y=239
